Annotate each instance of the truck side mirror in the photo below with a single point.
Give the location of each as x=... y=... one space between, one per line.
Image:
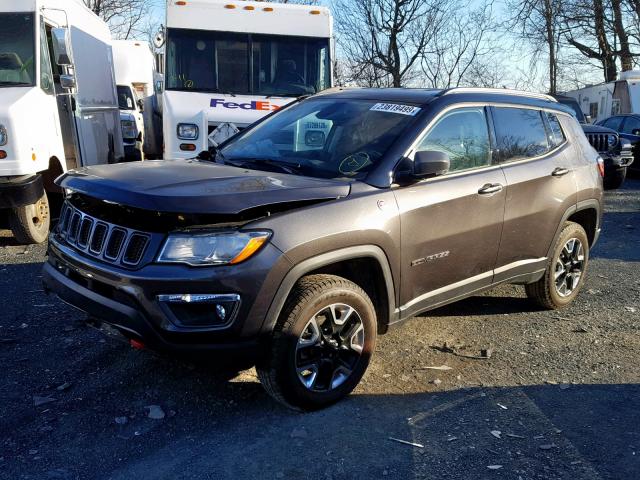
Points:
x=140 y=104
x=68 y=82
x=62 y=46
x=430 y=163
x=635 y=131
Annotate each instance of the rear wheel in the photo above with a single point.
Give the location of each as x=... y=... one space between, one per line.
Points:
x=321 y=345
x=566 y=270
x=30 y=224
x=615 y=180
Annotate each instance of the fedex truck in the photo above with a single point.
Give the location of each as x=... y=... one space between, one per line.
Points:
x=58 y=104
x=229 y=63
x=607 y=99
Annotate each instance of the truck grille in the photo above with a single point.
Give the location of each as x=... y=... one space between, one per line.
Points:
x=105 y=241
x=599 y=141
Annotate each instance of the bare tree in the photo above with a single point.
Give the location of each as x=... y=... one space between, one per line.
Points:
x=459 y=46
x=126 y=18
x=384 y=40
x=538 y=23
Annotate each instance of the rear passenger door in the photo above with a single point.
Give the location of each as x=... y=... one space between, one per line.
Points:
x=451 y=224
x=541 y=186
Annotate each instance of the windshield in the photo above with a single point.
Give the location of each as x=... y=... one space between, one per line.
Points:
x=125 y=98
x=235 y=63
x=328 y=138
x=17 y=51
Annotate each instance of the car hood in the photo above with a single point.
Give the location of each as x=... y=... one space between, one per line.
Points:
x=196 y=187
x=597 y=129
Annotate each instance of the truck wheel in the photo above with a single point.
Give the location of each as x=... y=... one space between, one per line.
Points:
x=565 y=271
x=321 y=345
x=30 y=224
x=616 y=180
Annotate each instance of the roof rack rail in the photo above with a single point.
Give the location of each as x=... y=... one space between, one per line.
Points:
x=542 y=96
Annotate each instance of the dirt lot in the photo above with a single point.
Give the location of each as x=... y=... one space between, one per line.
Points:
x=558 y=399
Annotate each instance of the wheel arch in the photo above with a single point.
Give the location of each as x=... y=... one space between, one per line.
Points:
x=587 y=214
x=352 y=263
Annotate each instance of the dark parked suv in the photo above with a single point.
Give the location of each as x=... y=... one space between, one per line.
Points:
x=615 y=150
x=318 y=228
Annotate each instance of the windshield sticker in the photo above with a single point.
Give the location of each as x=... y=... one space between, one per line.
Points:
x=396 y=108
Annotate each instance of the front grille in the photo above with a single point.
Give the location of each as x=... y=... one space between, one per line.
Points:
x=599 y=141
x=105 y=241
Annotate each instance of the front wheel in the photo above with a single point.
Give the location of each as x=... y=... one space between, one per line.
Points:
x=30 y=224
x=565 y=271
x=321 y=345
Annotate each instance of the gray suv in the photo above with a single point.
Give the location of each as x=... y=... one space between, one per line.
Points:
x=298 y=241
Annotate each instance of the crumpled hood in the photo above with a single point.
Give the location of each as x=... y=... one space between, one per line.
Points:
x=196 y=187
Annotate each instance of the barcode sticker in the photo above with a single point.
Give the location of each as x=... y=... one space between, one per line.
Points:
x=396 y=108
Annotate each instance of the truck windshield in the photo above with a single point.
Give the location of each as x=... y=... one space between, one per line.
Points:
x=234 y=63
x=125 y=98
x=327 y=138
x=17 y=50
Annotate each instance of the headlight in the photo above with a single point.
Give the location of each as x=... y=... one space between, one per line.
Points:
x=129 y=129
x=188 y=131
x=4 y=136
x=612 y=140
x=212 y=248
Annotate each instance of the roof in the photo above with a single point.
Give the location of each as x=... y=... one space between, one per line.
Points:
x=423 y=96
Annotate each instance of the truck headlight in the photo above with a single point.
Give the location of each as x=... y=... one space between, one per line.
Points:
x=4 y=136
x=129 y=129
x=612 y=140
x=214 y=248
x=188 y=131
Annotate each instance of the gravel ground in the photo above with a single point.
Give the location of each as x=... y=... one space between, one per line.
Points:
x=558 y=399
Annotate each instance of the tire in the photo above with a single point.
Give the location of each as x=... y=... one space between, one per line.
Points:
x=30 y=224
x=548 y=291
x=300 y=338
x=615 y=180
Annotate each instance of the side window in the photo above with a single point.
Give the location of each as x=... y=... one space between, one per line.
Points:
x=631 y=124
x=46 y=76
x=520 y=133
x=613 y=123
x=463 y=135
x=557 y=136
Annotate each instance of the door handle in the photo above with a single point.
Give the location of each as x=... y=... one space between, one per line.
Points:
x=559 y=172
x=490 y=188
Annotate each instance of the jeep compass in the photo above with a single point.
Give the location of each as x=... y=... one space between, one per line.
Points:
x=299 y=240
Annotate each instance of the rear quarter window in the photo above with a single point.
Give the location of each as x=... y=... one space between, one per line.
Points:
x=520 y=133
x=556 y=136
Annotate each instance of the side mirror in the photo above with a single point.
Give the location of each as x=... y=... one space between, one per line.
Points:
x=140 y=105
x=430 y=163
x=68 y=82
x=61 y=46
x=635 y=131
x=159 y=86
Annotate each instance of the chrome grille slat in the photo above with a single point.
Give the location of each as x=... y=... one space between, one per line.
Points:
x=108 y=242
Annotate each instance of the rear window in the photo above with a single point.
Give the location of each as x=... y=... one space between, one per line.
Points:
x=557 y=136
x=520 y=133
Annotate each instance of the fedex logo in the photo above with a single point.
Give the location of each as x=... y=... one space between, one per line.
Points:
x=262 y=105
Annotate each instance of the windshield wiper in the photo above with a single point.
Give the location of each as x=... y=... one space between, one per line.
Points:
x=286 y=167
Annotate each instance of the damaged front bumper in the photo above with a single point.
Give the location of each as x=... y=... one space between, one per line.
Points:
x=171 y=307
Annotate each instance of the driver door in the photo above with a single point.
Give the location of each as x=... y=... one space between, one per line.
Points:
x=451 y=224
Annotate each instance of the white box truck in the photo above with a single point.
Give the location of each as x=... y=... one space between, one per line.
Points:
x=139 y=112
x=607 y=99
x=58 y=104
x=229 y=63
